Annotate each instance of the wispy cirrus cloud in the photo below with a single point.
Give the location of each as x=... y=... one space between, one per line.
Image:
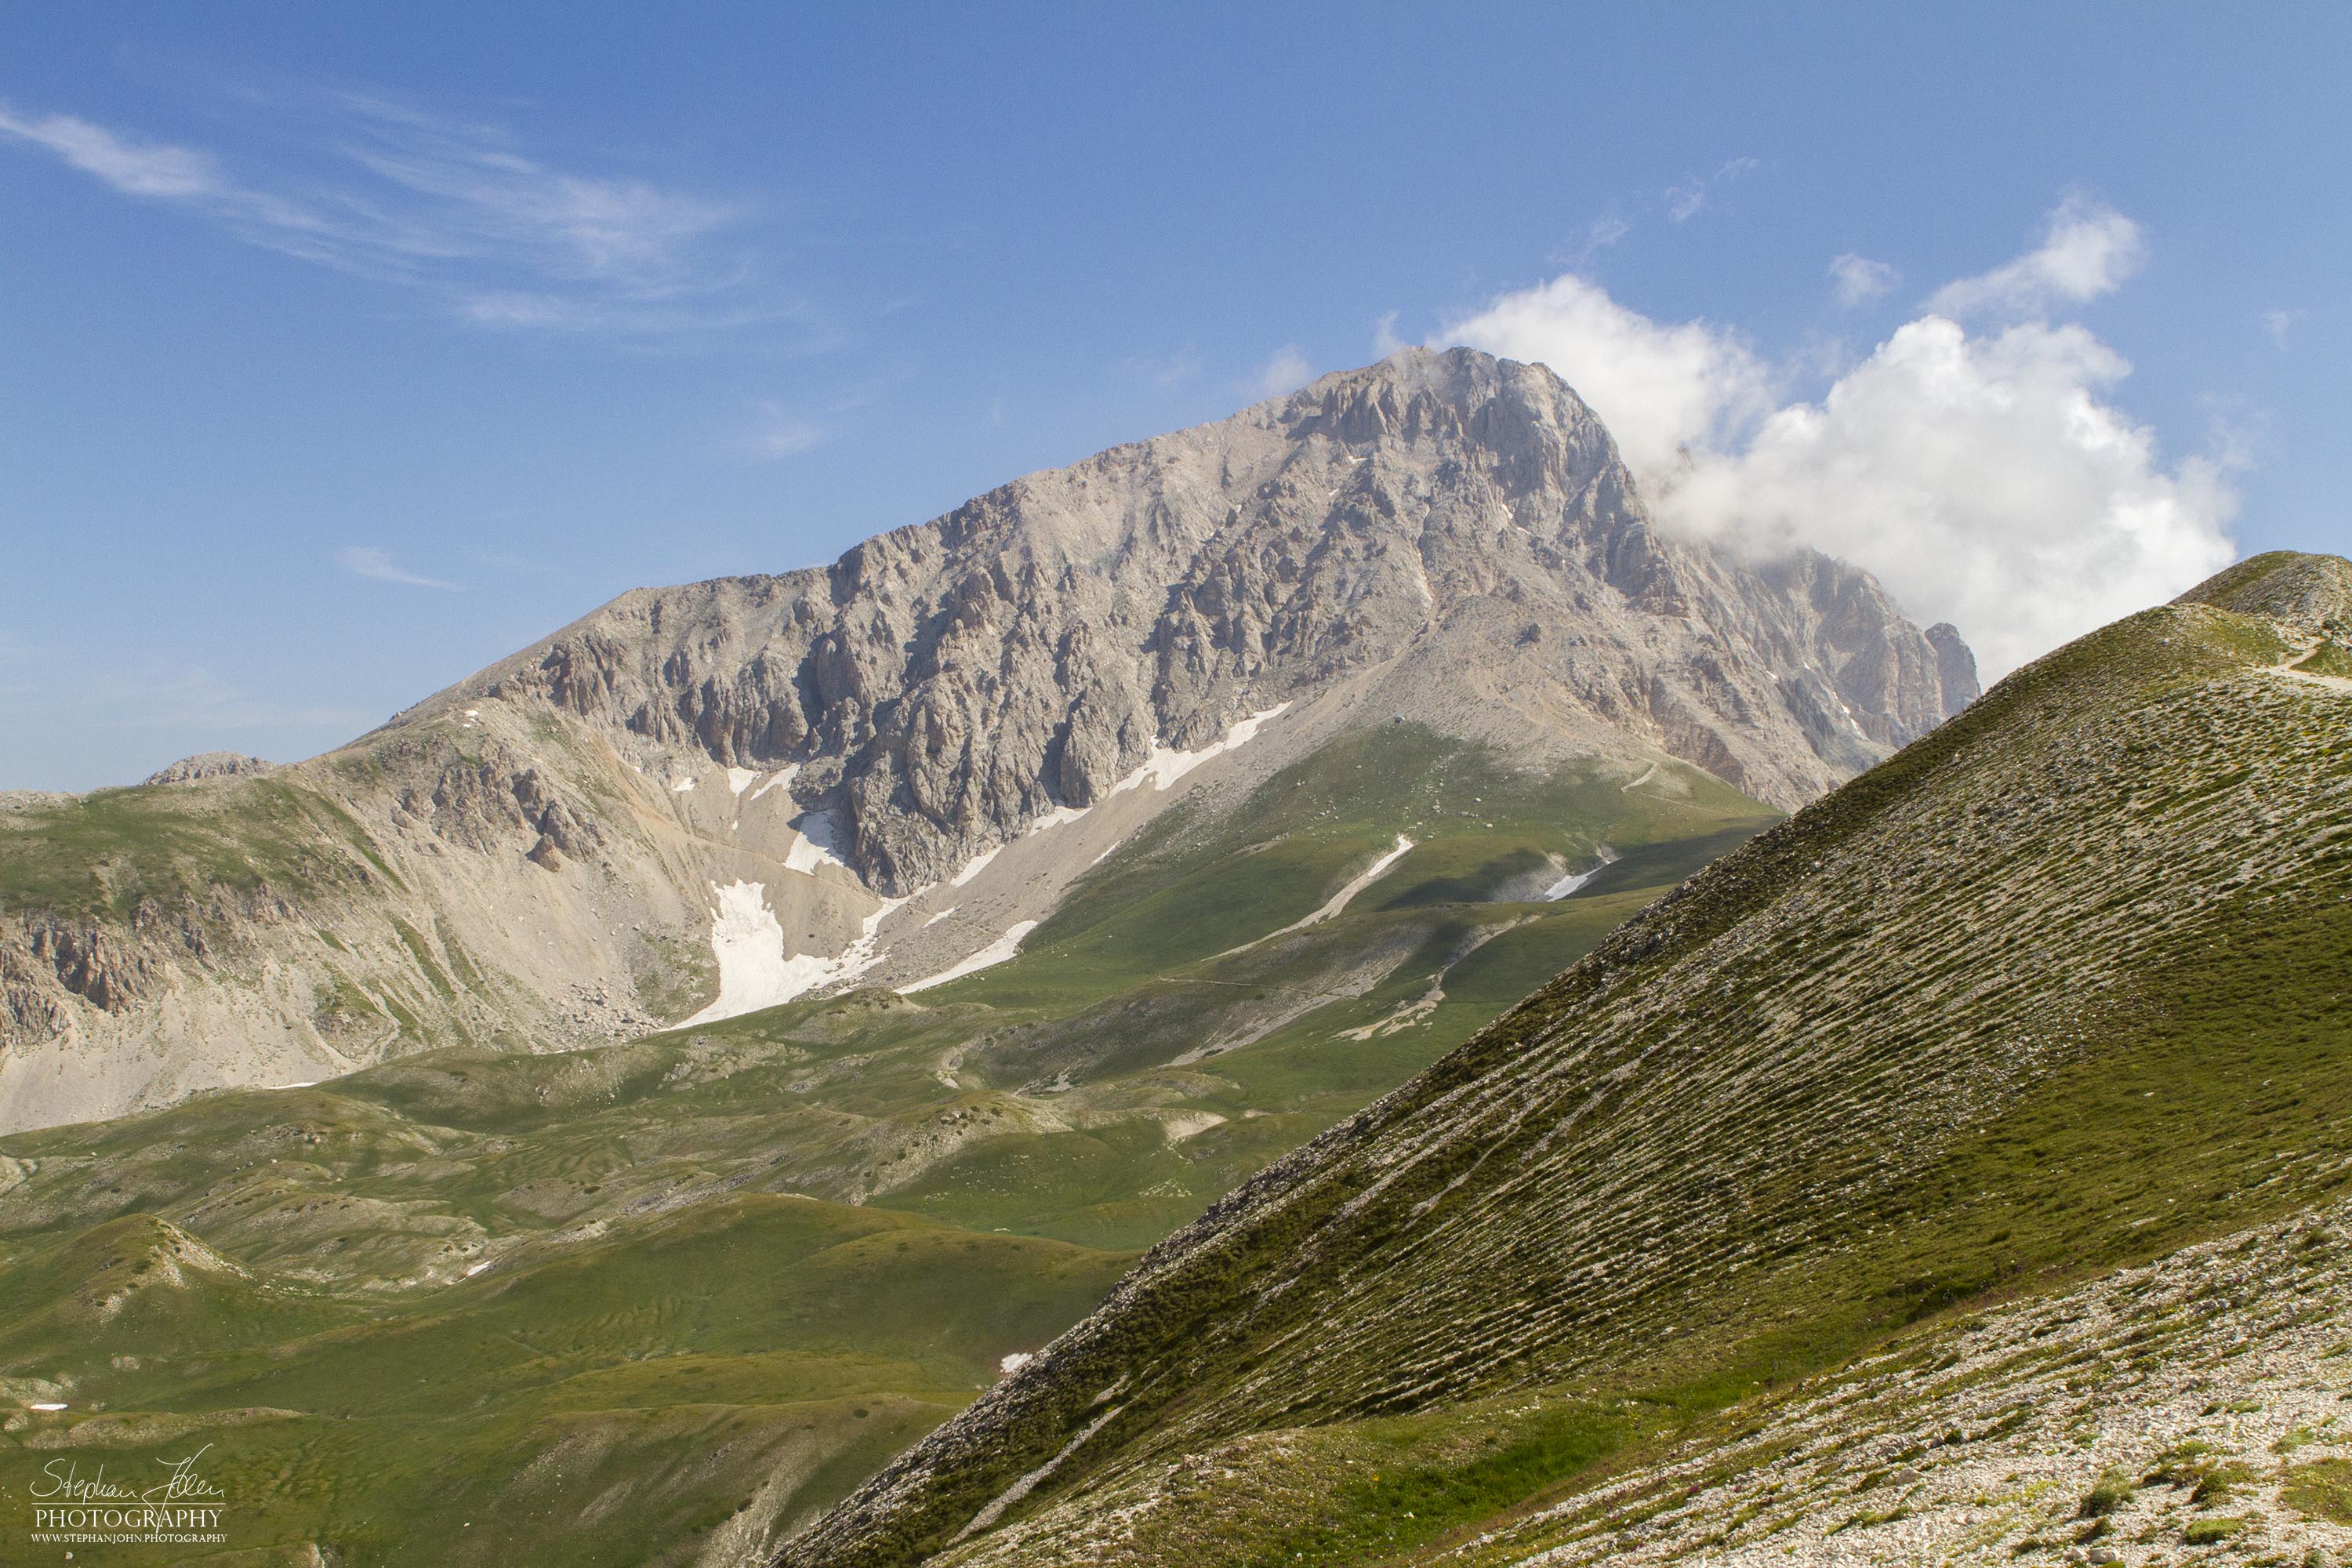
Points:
x=376 y=564
x=1171 y=370
x=1285 y=371
x=150 y=693
x=1684 y=201
x=500 y=238
x=781 y=432
x=161 y=694
x=1599 y=236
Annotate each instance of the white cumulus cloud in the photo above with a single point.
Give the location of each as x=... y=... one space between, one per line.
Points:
x=1662 y=389
x=1984 y=481
x=2086 y=251
x=1985 y=477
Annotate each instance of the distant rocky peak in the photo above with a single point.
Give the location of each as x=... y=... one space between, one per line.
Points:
x=210 y=765
x=940 y=686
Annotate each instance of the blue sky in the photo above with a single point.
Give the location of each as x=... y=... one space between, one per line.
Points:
x=344 y=351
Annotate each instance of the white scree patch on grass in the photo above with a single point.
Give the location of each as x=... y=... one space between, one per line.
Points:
x=1004 y=947
x=1339 y=901
x=1576 y=879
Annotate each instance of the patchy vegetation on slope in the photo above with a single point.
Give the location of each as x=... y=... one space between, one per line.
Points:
x=2055 y=991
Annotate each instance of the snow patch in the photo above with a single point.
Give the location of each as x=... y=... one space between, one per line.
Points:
x=1166 y=765
x=305 y=1083
x=47 y=1406
x=978 y=864
x=941 y=916
x=681 y=786
x=1060 y=817
x=816 y=845
x=784 y=779
x=477 y=1268
x=1576 y=879
x=995 y=952
x=754 y=969
x=1008 y=1367
x=739 y=779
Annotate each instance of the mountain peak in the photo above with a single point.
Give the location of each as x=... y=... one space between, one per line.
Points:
x=1424 y=527
x=1458 y=392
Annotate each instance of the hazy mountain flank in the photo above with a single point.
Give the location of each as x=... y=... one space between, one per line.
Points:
x=700 y=801
x=1955 y=1173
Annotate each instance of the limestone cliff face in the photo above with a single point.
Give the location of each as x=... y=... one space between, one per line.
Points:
x=1436 y=514
x=537 y=856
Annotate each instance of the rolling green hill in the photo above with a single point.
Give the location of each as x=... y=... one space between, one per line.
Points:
x=664 y=1301
x=2058 y=993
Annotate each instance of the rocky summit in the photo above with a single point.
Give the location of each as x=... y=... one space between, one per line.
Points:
x=699 y=801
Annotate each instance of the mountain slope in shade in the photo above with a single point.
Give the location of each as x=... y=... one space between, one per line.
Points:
x=704 y=800
x=2057 y=991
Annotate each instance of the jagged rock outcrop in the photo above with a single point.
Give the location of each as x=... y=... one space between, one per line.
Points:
x=210 y=765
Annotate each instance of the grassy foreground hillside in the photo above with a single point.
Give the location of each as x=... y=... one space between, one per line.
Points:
x=2058 y=992
x=663 y=1301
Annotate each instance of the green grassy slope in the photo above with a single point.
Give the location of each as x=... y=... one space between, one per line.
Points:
x=178 y=845
x=617 y=1402
x=660 y=1301
x=2055 y=990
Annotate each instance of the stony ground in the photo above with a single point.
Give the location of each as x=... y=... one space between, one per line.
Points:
x=2198 y=1408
